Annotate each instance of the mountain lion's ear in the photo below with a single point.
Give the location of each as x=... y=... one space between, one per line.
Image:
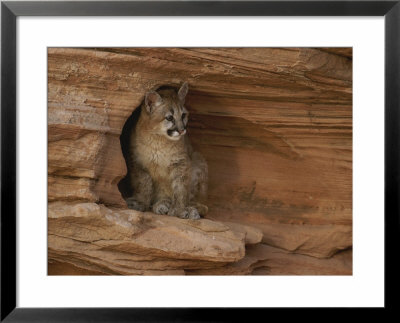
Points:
x=183 y=91
x=152 y=101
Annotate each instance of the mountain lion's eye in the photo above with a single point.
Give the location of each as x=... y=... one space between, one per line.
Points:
x=169 y=118
x=183 y=115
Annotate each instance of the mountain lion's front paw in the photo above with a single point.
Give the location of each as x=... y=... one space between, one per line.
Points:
x=193 y=213
x=185 y=213
x=162 y=206
x=135 y=204
x=178 y=212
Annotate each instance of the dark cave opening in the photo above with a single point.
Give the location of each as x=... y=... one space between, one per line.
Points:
x=124 y=184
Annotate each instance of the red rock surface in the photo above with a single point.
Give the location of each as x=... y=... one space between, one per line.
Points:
x=275 y=126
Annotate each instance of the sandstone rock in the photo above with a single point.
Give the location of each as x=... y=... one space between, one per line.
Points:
x=281 y=262
x=274 y=124
x=262 y=259
x=321 y=241
x=93 y=237
x=252 y=234
x=70 y=188
x=62 y=268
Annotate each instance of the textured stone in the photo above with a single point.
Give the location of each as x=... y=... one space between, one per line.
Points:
x=274 y=124
x=93 y=237
x=262 y=259
x=274 y=261
x=252 y=234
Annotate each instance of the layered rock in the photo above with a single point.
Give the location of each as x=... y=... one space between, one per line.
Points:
x=119 y=241
x=274 y=124
x=262 y=259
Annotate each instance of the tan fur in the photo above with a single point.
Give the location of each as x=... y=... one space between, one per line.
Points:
x=166 y=175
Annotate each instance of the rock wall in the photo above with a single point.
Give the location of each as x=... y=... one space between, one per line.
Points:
x=275 y=125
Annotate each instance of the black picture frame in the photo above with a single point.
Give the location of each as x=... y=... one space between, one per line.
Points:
x=11 y=10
